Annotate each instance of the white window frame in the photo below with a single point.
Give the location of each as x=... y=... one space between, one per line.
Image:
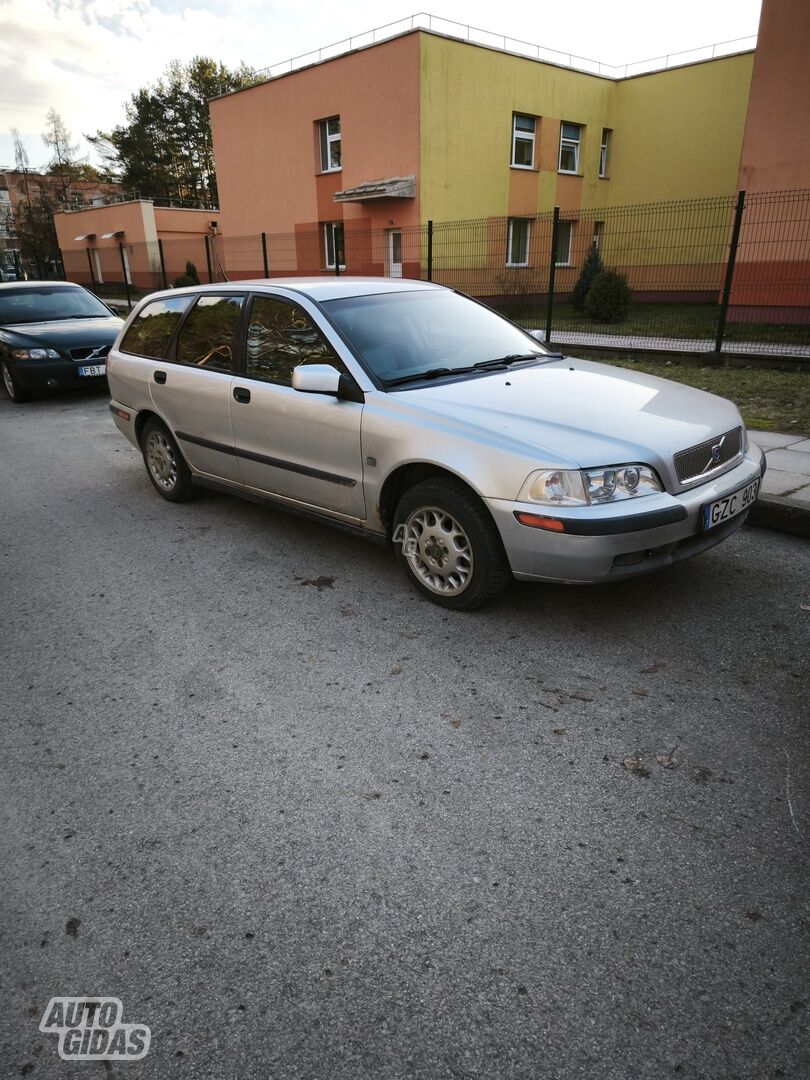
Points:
x=598 y=230
x=326 y=140
x=329 y=236
x=604 y=150
x=524 y=136
x=567 y=143
x=565 y=229
x=510 y=240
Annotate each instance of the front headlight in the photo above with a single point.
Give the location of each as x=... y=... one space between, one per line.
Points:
x=566 y=487
x=35 y=354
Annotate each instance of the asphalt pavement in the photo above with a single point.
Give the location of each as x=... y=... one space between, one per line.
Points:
x=305 y=824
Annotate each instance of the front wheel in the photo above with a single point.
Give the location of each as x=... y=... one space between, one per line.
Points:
x=165 y=464
x=17 y=394
x=448 y=545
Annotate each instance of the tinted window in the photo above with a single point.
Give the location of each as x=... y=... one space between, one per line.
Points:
x=280 y=337
x=151 y=332
x=47 y=303
x=207 y=336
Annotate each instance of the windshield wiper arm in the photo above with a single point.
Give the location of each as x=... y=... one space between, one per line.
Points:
x=431 y=373
x=505 y=361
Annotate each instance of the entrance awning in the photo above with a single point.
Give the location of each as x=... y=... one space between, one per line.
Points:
x=395 y=187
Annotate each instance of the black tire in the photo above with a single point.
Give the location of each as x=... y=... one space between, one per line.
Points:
x=461 y=565
x=165 y=465
x=18 y=394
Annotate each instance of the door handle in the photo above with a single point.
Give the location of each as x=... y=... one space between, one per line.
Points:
x=242 y=394
x=160 y=377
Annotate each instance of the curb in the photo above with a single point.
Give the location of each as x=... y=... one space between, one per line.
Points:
x=784 y=515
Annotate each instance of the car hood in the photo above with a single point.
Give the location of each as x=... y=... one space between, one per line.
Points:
x=588 y=413
x=64 y=333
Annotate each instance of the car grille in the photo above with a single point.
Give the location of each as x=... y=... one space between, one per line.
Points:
x=709 y=456
x=85 y=354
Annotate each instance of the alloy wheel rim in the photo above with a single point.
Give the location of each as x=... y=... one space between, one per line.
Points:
x=438 y=550
x=161 y=460
x=7 y=381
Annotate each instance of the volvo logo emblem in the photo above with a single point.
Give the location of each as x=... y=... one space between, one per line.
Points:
x=717 y=451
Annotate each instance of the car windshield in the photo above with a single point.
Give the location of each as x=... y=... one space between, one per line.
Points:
x=402 y=334
x=47 y=304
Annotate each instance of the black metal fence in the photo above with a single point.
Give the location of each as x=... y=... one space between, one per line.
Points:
x=704 y=275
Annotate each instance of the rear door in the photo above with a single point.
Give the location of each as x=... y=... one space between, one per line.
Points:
x=300 y=446
x=193 y=391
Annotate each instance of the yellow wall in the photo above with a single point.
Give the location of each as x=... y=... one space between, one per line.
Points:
x=468 y=95
x=676 y=134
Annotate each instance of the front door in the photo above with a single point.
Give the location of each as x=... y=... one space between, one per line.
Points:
x=302 y=447
x=394 y=253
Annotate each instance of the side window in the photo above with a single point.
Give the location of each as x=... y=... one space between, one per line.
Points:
x=280 y=337
x=152 y=331
x=206 y=338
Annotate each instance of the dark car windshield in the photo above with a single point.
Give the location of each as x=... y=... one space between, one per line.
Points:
x=404 y=333
x=28 y=304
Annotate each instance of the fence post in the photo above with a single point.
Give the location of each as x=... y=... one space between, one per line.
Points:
x=555 y=222
x=208 y=258
x=92 y=272
x=162 y=263
x=732 y=258
x=264 y=255
x=430 y=251
x=124 y=272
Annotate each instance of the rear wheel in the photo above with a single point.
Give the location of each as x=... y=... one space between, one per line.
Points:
x=448 y=545
x=165 y=465
x=12 y=387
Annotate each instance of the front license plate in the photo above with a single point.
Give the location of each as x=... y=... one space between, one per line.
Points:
x=94 y=369
x=729 y=506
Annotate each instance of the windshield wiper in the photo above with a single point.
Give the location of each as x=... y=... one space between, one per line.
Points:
x=481 y=365
x=505 y=361
x=431 y=373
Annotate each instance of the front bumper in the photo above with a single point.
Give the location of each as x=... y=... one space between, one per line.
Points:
x=624 y=539
x=53 y=374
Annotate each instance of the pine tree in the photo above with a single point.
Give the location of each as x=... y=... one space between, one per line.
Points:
x=590 y=268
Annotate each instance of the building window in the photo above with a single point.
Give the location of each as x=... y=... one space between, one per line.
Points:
x=329 y=138
x=523 y=131
x=604 y=151
x=517 y=242
x=333 y=245
x=570 y=138
x=598 y=226
x=564 y=231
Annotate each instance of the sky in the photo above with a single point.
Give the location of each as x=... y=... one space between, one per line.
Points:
x=86 y=57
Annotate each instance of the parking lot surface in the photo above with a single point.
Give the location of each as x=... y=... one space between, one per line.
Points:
x=305 y=824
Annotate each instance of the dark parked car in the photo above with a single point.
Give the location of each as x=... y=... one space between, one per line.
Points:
x=53 y=334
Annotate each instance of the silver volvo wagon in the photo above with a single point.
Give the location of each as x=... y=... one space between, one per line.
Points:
x=414 y=414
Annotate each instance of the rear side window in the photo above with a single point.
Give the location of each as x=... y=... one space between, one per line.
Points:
x=152 y=331
x=207 y=336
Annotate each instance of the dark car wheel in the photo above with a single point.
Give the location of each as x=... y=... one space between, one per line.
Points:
x=448 y=546
x=12 y=387
x=165 y=465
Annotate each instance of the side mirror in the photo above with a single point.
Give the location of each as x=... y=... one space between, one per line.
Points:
x=316 y=379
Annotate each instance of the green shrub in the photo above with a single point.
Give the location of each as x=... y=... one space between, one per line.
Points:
x=592 y=266
x=189 y=278
x=608 y=298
